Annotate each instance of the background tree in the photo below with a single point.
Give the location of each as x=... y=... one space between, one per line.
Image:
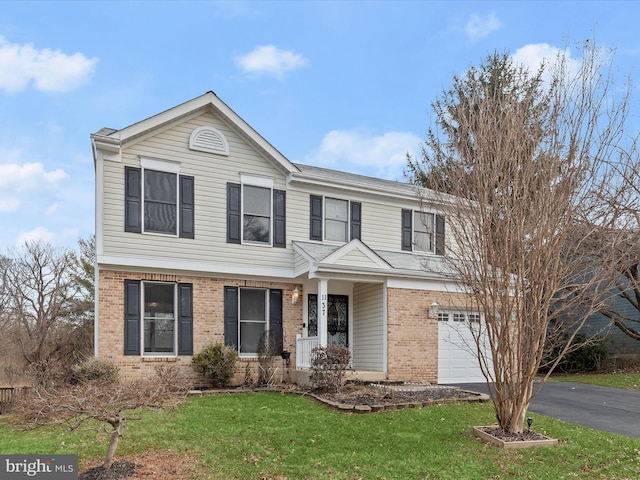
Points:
x=43 y=306
x=520 y=159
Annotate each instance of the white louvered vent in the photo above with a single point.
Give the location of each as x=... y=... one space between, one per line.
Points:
x=208 y=139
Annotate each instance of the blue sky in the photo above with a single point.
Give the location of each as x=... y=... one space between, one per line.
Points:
x=345 y=85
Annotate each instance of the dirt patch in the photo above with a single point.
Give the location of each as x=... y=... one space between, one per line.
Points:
x=156 y=465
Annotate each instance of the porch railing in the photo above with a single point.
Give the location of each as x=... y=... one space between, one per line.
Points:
x=304 y=346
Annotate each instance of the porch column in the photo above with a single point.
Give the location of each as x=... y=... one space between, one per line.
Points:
x=322 y=312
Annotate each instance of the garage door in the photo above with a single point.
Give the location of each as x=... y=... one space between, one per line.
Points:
x=457 y=356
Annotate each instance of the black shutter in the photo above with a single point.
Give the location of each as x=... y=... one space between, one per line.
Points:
x=132 y=200
x=132 y=317
x=185 y=319
x=356 y=220
x=439 y=235
x=407 y=220
x=279 y=218
x=316 y=218
x=275 y=319
x=233 y=213
x=231 y=316
x=186 y=207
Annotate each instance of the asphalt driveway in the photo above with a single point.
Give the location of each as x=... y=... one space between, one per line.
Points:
x=601 y=408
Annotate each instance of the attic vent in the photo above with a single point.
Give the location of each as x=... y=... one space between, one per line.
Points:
x=208 y=139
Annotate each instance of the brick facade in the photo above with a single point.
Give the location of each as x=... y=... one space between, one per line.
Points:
x=412 y=335
x=208 y=321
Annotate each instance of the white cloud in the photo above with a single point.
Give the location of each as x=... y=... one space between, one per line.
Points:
x=48 y=70
x=359 y=151
x=9 y=204
x=271 y=61
x=38 y=234
x=28 y=176
x=479 y=26
x=532 y=56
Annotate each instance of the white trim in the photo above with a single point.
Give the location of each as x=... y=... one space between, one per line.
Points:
x=160 y=165
x=256 y=181
x=118 y=263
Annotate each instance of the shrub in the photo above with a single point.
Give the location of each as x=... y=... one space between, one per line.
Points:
x=95 y=369
x=217 y=363
x=587 y=356
x=328 y=366
x=267 y=351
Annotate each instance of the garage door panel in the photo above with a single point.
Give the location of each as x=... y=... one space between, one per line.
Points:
x=457 y=356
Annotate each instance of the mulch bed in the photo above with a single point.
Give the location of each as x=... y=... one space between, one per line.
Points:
x=525 y=436
x=389 y=396
x=117 y=471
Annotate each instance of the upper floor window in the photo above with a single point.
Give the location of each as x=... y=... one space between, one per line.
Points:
x=158 y=199
x=256 y=212
x=160 y=202
x=335 y=220
x=423 y=232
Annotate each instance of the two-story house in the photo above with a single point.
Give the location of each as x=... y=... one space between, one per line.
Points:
x=206 y=233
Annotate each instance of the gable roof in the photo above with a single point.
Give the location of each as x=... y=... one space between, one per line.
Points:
x=356 y=258
x=111 y=141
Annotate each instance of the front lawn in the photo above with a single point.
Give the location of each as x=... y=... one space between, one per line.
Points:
x=629 y=381
x=269 y=435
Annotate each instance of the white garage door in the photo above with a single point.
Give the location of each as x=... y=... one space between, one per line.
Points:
x=457 y=356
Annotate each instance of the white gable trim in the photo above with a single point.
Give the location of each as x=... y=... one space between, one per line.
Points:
x=358 y=245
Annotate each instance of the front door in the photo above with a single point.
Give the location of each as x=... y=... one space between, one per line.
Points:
x=337 y=319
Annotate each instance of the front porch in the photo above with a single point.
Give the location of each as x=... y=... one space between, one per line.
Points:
x=302 y=373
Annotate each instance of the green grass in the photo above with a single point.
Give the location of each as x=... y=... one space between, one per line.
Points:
x=629 y=381
x=269 y=435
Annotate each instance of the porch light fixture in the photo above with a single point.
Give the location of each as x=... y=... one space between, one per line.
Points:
x=294 y=296
x=433 y=310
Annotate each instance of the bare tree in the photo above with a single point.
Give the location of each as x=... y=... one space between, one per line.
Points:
x=521 y=159
x=40 y=304
x=106 y=399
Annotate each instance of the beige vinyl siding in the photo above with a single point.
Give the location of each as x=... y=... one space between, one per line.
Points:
x=211 y=172
x=357 y=259
x=368 y=327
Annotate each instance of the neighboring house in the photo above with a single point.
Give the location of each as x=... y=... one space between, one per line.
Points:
x=206 y=233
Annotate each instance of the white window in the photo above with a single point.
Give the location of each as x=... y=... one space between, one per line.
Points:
x=424 y=231
x=159 y=318
x=253 y=319
x=256 y=214
x=336 y=220
x=160 y=196
x=443 y=317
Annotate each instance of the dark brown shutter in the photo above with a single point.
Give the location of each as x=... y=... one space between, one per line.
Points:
x=275 y=319
x=315 y=231
x=439 y=235
x=356 y=220
x=132 y=199
x=186 y=207
x=132 y=317
x=407 y=230
x=185 y=319
x=234 y=215
x=231 y=316
x=279 y=219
